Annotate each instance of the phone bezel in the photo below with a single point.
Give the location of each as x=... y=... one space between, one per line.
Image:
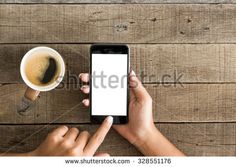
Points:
x=109 y=49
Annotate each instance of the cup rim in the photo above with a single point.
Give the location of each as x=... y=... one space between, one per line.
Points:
x=47 y=87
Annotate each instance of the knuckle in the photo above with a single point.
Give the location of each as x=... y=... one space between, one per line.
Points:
x=98 y=138
x=143 y=102
x=86 y=133
x=65 y=144
x=147 y=100
x=74 y=130
x=63 y=127
x=106 y=126
x=72 y=152
x=52 y=138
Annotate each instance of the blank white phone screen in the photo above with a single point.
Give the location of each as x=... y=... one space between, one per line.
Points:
x=109 y=84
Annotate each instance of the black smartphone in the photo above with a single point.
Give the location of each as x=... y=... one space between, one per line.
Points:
x=109 y=90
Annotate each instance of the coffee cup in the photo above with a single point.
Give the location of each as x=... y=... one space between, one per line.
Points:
x=42 y=69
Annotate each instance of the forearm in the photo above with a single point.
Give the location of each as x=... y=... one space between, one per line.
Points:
x=158 y=145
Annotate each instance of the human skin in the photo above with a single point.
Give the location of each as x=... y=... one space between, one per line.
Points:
x=140 y=130
x=71 y=142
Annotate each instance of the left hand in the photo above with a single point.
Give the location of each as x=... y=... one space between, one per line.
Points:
x=141 y=122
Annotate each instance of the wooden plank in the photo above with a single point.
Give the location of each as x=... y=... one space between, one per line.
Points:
x=195 y=63
x=194 y=102
x=205 y=139
x=153 y=63
x=76 y=58
x=215 y=139
x=54 y=106
x=125 y=23
x=121 y=1
x=190 y=103
x=11 y=136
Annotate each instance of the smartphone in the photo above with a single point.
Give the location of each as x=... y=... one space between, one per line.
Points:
x=109 y=90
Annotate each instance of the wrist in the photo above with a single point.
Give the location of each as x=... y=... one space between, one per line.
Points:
x=143 y=140
x=148 y=145
x=155 y=144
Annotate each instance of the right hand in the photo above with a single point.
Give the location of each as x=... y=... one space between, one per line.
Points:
x=69 y=142
x=140 y=125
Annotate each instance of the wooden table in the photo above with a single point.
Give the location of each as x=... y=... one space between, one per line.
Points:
x=195 y=39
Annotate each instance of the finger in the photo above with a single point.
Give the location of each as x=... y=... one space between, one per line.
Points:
x=137 y=88
x=86 y=102
x=102 y=154
x=84 y=77
x=60 y=131
x=131 y=94
x=98 y=137
x=72 y=134
x=82 y=139
x=85 y=89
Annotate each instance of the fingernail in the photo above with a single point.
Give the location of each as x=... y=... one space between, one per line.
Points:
x=65 y=127
x=84 y=101
x=133 y=73
x=80 y=75
x=82 y=87
x=110 y=119
x=132 y=76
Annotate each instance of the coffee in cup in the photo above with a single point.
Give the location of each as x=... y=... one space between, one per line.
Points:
x=42 y=69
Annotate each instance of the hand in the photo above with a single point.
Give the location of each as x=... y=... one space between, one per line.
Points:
x=140 y=130
x=70 y=142
x=140 y=123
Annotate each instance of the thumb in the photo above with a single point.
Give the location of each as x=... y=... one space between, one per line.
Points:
x=136 y=87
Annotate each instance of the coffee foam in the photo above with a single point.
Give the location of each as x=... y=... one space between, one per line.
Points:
x=36 y=67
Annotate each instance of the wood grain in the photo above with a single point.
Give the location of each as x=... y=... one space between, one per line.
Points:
x=193 y=139
x=193 y=38
x=153 y=63
x=121 y=1
x=76 y=58
x=13 y=136
x=125 y=23
x=190 y=103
